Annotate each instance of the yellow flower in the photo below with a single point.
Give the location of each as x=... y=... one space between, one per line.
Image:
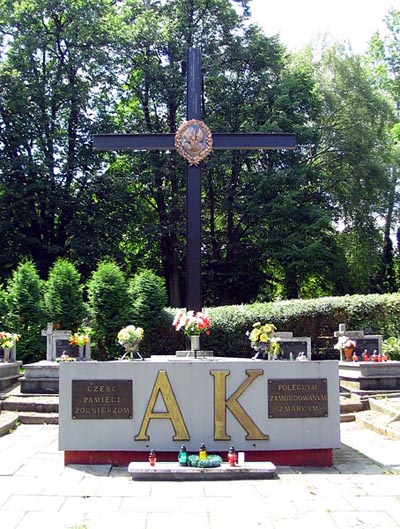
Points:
x=263 y=337
x=254 y=335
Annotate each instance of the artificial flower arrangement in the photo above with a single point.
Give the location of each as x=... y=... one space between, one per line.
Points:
x=345 y=343
x=130 y=336
x=191 y=323
x=8 y=339
x=78 y=339
x=261 y=338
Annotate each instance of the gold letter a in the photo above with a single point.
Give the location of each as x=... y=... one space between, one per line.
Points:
x=163 y=386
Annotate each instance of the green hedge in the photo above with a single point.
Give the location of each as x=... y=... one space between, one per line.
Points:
x=316 y=318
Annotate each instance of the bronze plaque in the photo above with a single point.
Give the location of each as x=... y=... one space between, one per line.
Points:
x=193 y=141
x=294 y=398
x=102 y=399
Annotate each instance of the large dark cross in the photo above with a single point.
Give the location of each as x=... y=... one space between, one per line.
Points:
x=193 y=141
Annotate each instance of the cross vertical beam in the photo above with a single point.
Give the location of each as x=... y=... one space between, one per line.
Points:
x=193 y=190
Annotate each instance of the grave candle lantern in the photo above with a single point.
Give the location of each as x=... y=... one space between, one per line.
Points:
x=183 y=456
x=232 y=456
x=152 y=458
x=203 y=451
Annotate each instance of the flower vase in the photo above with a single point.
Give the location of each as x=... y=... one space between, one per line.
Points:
x=195 y=343
x=348 y=354
x=6 y=354
x=128 y=350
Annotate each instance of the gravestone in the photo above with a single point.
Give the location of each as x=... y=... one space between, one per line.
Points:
x=115 y=412
x=293 y=346
x=57 y=344
x=43 y=377
x=365 y=377
x=364 y=342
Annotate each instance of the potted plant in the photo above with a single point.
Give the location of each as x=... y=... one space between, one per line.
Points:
x=263 y=342
x=193 y=325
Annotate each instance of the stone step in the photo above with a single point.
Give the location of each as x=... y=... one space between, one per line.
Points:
x=379 y=422
x=37 y=404
x=8 y=421
x=347 y=417
x=38 y=418
x=349 y=406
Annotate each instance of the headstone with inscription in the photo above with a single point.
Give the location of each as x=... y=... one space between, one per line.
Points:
x=291 y=347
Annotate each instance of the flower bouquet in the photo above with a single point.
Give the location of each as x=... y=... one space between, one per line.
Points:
x=8 y=339
x=262 y=341
x=193 y=325
x=79 y=339
x=346 y=346
x=130 y=337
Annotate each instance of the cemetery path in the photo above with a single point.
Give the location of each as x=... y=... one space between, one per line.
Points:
x=361 y=490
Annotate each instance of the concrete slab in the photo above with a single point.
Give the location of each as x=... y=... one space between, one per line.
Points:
x=175 y=472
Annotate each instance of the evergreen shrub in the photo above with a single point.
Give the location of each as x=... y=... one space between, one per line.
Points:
x=109 y=307
x=63 y=296
x=148 y=296
x=26 y=315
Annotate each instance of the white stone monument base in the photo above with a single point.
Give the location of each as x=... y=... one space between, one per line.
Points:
x=116 y=412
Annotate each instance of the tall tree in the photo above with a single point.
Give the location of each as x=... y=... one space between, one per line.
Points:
x=384 y=54
x=55 y=75
x=352 y=155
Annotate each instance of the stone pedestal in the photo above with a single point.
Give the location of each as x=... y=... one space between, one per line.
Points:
x=40 y=377
x=370 y=376
x=9 y=374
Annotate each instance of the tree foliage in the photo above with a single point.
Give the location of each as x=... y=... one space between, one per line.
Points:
x=318 y=220
x=54 y=75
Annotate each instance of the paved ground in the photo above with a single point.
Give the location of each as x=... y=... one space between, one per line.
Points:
x=362 y=490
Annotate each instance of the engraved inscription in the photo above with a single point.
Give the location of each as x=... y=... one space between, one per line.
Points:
x=297 y=398
x=102 y=399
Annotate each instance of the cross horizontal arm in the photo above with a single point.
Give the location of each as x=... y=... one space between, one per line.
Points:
x=166 y=142
x=254 y=141
x=133 y=142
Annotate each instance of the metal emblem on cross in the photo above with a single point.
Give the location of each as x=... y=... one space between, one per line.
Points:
x=193 y=140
